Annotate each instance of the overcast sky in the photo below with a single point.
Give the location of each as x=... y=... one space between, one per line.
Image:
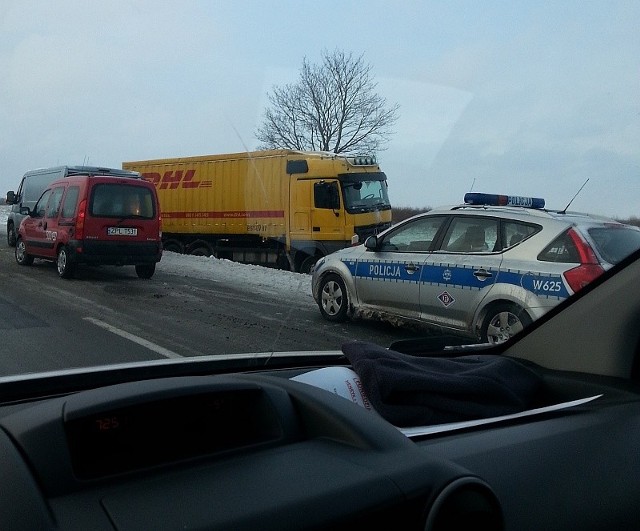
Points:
x=515 y=97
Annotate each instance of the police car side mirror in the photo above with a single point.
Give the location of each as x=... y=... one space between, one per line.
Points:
x=371 y=243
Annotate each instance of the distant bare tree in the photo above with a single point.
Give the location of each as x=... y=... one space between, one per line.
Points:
x=333 y=107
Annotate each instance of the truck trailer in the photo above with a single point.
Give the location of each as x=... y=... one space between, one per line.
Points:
x=277 y=208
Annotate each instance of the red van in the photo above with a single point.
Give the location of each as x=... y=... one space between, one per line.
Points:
x=100 y=217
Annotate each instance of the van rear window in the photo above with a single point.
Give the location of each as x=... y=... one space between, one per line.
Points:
x=122 y=201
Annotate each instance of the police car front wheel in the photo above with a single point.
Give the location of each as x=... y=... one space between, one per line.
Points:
x=333 y=298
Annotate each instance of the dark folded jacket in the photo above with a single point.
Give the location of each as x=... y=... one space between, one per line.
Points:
x=416 y=391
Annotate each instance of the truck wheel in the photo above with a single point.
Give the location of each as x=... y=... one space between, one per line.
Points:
x=200 y=250
x=64 y=263
x=11 y=235
x=145 y=270
x=503 y=321
x=333 y=301
x=282 y=262
x=173 y=246
x=307 y=264
x=21 y=254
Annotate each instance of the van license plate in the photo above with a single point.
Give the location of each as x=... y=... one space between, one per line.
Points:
x=122 y=231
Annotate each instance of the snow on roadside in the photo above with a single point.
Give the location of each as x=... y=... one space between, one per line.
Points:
x=260 y=279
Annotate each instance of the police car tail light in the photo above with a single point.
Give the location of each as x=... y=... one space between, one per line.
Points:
x=589 y=268
x=580 y=276
x=82 y=212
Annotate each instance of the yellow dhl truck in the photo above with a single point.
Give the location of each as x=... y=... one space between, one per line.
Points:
x=278 y=208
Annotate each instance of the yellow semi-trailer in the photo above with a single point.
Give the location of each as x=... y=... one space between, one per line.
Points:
x=279 y=208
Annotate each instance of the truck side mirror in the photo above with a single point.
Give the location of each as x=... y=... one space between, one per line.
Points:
x=11 y=198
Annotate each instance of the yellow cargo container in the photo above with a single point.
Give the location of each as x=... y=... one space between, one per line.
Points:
x=280 y=208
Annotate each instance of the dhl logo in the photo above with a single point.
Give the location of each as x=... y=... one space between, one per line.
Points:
x=175 y=179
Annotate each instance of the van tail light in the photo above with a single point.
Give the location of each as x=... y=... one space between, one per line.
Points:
x=589 y=268
x=160 y=226
x=82 y=213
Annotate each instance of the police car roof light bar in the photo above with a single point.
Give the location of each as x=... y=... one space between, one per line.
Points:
x=474 y=198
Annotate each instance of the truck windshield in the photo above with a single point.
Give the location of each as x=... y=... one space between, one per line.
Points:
x=365 y=195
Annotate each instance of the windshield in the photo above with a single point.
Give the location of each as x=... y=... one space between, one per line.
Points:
x=32 y=187
x=615 y=245
x=121 y=200
x=363 y=195
x=308 y=170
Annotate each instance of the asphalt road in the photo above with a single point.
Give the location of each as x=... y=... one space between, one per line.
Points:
x=107 y=315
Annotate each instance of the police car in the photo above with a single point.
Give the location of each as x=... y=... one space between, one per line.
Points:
x=486 y=268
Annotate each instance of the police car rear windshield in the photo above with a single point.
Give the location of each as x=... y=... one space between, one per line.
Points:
x=615 y=242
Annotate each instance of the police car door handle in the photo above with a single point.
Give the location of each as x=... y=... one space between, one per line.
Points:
x=482 y=274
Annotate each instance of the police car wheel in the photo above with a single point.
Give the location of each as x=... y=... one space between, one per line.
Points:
x=503 y=321
x=64 y=263
x=333 y=300
x=22 y=257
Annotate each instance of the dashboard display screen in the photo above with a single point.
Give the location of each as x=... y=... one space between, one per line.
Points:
x=168 y=430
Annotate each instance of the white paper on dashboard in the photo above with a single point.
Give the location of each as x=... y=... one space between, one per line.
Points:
x=342 y=381
x=417 y=431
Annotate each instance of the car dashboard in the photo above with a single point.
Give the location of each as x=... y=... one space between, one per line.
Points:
x=257 y=450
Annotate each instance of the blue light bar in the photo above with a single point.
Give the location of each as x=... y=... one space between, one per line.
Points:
x=473 y=198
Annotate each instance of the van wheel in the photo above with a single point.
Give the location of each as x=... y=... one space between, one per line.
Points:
x=145 y=270
x=64 y=264
x=11 y=235
x=333 y=299
x=22 y=257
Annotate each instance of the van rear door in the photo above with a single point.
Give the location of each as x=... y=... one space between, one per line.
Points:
x=122 y=210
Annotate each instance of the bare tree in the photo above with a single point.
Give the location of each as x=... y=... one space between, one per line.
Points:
x=333 y=107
